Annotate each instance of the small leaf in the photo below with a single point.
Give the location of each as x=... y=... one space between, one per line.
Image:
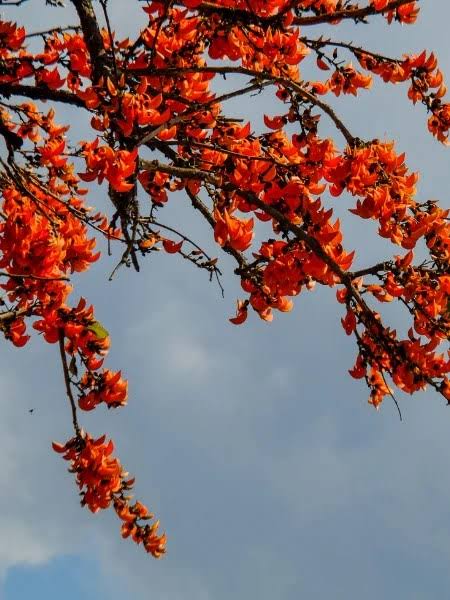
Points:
x=100 y=332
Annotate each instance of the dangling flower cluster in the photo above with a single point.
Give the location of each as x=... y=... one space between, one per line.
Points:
x=345 y=80
x=43 y=238
x=103 y=482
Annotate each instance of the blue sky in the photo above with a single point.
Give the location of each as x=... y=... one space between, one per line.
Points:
x=270 y=473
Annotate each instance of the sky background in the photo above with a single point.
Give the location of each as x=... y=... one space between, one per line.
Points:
x=270 y=473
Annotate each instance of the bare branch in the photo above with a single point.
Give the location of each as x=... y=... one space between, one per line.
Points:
x=30 y=276
x=355 y=14
x=40 y=93
x=262 y=78
x=53 y=30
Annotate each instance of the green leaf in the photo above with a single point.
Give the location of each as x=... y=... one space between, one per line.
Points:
x=97 y=328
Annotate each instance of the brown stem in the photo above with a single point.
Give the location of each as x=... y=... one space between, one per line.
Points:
x=65 y=366
x=382 y=266
x=317 y=45
x=182 y=172
x=212 y=267
x=29 y=276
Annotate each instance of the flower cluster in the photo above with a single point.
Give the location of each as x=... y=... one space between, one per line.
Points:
x=103 y=482
x=103 y=162
x=427 y=84
x=406 y=13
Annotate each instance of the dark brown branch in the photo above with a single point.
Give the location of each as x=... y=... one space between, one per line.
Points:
x=103 y=4
x=247 y=17
x=93 y=38
x=53 y=30
x=210 y=263
x=318 y=45
x=374 y=270
x=40 y=93
x=30 y=276
x=201 y=207
x=358 y=14
x=392 y=396
x=198 y=205
x=127 y=211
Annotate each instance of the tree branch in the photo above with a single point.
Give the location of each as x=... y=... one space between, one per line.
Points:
x=356 y=14
x=262 y=77
x=40 y=93
x=30 y=276
x=53 y=30
x=245 y=16
x=65 y=366
x=10 y=315
x=93 y=38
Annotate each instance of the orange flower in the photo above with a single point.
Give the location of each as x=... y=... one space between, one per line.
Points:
x=241 y=313
x=103 y=482
x=103 y=162
x=233 y=231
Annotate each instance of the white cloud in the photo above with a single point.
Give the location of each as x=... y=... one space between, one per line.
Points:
x=187 y=356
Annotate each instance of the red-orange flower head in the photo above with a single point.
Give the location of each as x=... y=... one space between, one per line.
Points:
x=233 y=231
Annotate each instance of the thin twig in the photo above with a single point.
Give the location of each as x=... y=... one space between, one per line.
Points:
x=356 y=14
x=212 y=267
x=30 y=276
x=65 y=366
x=53 y=30
x=262 y=78
x=392 y=395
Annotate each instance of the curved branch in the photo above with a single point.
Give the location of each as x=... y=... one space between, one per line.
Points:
x=53 y=30
x=356 y=14
x=261 y=78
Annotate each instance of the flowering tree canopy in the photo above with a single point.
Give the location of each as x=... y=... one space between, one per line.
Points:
x=158 y=126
